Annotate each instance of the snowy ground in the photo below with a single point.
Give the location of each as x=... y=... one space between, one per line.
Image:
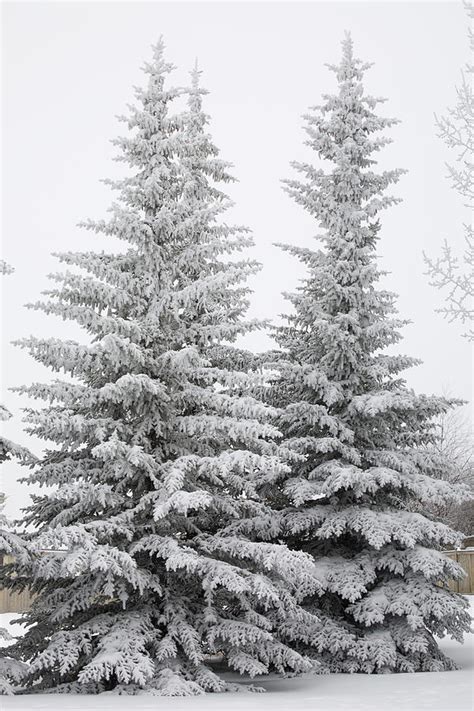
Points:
x=446 y=691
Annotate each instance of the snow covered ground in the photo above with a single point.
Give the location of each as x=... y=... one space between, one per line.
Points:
x=446 y=691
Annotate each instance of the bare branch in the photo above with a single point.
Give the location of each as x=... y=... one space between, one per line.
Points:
x=448 y=272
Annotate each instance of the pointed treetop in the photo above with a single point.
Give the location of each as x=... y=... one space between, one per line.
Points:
x=158 y=66
x=195 y=74
x=347 y=47
x=158 y=51
x=196 y=91
x=349 y=67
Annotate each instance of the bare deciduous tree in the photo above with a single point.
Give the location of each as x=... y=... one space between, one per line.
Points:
x=453 y=461
x=450 y=272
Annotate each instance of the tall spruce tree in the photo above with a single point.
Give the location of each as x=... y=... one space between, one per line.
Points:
x=347 y=414
x=157 y=448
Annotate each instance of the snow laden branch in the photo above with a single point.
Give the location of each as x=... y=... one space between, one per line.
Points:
x=11 y=544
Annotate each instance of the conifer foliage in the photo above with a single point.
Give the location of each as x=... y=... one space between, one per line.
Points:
x=157 y=448
x=11 y=670
x=352 y=498
x=9 y=449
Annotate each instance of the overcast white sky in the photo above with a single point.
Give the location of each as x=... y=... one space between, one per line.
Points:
x=69 y=68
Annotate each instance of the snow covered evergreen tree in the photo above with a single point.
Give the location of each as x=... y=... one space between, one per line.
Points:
x=347 y=413
x=157 y=449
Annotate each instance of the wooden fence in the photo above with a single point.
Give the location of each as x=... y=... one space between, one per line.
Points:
x=13 y=601
x=465 y=558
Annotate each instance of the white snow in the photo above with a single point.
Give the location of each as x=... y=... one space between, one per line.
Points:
x=6 y=622
x=443 y=691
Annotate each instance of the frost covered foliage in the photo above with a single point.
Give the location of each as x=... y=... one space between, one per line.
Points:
x=352 y=497
x=11 y=543
x=9 y=449
x=158 y=450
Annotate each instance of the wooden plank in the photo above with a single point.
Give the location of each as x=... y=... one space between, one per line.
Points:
x=15 y=602
x=452 y=584
x=465 y=560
